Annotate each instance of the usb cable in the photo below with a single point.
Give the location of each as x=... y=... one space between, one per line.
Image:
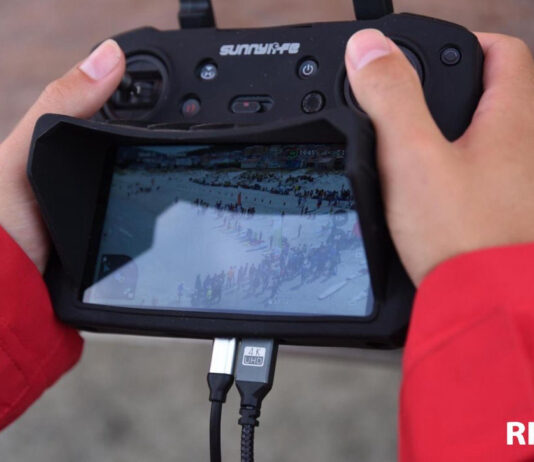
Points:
x=220 y=380
x=254 y=377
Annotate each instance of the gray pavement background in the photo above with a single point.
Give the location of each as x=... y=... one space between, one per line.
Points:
x=133 y=401
x=140 y=400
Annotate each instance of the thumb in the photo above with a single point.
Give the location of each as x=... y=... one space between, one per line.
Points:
x=81 y=92
x=388 y=89
x=84 y=89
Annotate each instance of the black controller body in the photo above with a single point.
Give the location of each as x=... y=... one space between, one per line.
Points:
x=274 y=85
x=256 y=76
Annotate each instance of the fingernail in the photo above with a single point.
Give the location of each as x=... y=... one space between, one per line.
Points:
x=102 y=60
x=367 y=46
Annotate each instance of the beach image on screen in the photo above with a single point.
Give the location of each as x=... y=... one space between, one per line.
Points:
x=264 y=229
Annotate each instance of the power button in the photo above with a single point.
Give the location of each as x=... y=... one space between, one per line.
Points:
x=307 y=68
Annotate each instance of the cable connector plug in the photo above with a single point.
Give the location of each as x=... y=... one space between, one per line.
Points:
x=221 y=373
x=220 y=380
x=254 y=375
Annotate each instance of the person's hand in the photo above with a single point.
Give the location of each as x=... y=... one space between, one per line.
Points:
x=79 y=93
x=443 y=199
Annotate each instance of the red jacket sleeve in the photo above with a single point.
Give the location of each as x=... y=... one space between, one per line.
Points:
x=35 y=349
x=468 y=363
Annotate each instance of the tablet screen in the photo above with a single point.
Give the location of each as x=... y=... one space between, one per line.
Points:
x=265 y=229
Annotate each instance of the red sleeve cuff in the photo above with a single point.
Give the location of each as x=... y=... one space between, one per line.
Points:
x=35 y=349
x=466 y=289
x=468 y=363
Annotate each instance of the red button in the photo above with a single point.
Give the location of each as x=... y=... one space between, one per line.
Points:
x=191 y=107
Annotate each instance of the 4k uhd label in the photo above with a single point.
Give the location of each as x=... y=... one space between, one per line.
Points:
x=254 y=356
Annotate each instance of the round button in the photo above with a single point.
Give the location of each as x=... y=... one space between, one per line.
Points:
x=208 y=72
x=312 y=102
x=190 y=107
x=451 y=56
x=308 y=68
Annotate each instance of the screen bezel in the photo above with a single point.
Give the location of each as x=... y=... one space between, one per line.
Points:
x=91 y=261
x=65 y=169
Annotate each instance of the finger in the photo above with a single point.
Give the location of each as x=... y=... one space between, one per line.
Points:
x=507 y=60
x=81 y=92
x=508 y=82
x=388 y=89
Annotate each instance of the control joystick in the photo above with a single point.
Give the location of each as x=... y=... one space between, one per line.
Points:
x=140 y=90
x=412 y=58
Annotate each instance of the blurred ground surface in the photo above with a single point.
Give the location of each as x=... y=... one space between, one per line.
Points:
x=146 y=400
x=139 y=402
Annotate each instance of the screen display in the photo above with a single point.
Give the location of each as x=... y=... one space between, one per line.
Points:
x=252 y=229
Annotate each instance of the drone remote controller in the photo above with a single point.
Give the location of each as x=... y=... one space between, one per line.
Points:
x=229 y=186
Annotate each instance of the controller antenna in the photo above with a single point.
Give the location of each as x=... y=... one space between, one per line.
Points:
x=196 y=13
x=199 y=13
x=372 y=9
